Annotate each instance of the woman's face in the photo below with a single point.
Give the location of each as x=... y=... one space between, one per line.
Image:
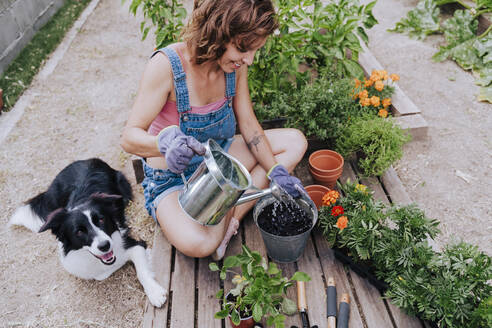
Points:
x=233 y=58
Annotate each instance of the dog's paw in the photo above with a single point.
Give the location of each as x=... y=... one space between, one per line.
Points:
x=157 y=295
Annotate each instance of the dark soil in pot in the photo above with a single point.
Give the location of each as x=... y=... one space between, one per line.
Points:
x=284 y=219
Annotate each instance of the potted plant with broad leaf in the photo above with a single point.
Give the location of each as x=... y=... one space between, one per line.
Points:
x=260 y=290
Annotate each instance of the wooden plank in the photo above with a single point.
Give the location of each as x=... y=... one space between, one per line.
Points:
x=402 y=320
x=372 y=303
x=394 y=187
x=253 y=238
x=348 y=173
x=374 y=185
x=208 y=286
x=315 y=289
x=288 y=269
x=401 y=104
x=161 y=264
x=415 y=124
x=183 y=288
x=333 y=268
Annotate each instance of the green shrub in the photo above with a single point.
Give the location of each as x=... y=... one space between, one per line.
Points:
x=376 y=141
x=166 y=16
x=449 y=290
x=320 y=109
x=312 y=32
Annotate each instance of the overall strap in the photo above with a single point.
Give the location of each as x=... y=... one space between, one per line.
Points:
x=230 y=84
x=180 y=88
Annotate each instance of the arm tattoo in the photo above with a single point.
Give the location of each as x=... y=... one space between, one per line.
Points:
x=255 y=141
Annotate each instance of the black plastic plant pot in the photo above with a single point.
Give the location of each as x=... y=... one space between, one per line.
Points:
x=275 y=123
x=362 y=269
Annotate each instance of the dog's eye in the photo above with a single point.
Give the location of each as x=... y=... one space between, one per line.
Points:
x=81 y=231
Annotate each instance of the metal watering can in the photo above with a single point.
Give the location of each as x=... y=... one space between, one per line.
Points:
x=217 y=185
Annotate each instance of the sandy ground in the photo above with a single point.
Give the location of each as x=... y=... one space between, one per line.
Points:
x=78 y=112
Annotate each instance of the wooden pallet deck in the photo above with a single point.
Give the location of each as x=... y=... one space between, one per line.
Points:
x=192 y=286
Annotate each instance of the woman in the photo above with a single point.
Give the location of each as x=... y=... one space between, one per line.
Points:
x=196 y=90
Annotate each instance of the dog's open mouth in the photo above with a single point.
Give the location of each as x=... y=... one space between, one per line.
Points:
x=107 y=258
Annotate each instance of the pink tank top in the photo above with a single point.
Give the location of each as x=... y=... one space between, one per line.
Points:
x=169 y=114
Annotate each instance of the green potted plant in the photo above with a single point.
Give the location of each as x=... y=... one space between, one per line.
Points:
x=376 y=142
x=259 y=292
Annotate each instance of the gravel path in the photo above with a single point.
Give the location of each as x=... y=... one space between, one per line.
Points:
x=79 y=110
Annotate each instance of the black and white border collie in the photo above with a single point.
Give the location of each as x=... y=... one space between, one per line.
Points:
x=84 y=208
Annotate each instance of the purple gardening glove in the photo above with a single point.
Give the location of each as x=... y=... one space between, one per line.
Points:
x=289 y=183
x=178 y=148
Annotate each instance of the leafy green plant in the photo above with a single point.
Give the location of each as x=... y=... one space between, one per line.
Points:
x=320 y=109
x=260 y=290
x=21 y=71
x=166 y=16
x=449 y=290
x=463 y=45
x=376 y=141
x=314 y=33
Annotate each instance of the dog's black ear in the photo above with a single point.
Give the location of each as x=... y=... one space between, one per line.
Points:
x=108 y=200
x=54 y=220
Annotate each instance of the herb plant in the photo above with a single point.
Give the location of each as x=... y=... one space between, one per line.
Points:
x=377 y=142
x=260 y=289
x=166 y=16
x=320 y=109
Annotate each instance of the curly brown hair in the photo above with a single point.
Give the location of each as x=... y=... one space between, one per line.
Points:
x=215 y=23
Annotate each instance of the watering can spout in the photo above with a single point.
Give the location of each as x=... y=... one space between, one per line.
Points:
x=275 y=190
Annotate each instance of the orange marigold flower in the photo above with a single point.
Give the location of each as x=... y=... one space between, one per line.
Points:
x=394 y=77
x=357 y=83
x=342 y=222
x=383 y=113
x=330 y=197
x=386 y=102
x=368 y=83
x=375 y=101
x=365 y=102
x=337 y=210
x=379 y=85
x=363 y=94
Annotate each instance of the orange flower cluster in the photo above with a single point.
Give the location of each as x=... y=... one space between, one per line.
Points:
x=342 y=222
x=370 y=91
x=330 y=197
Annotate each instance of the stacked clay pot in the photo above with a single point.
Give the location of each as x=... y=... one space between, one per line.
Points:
x=326 y=167
x=316 y=193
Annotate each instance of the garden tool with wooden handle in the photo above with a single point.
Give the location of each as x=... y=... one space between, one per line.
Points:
x=331 y=303
x=302 y=305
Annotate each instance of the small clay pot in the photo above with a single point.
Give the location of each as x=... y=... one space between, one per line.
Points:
x=326 y=180
x=325 y=162
x=316 y=193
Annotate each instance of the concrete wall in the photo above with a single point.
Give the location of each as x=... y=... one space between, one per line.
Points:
x=19 y=21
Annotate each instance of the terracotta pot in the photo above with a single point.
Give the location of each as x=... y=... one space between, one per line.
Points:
x=316 y=193
x=326 y=180
x=245 y=323
x=325 y=162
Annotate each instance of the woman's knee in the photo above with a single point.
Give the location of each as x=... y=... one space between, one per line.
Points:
x=196 y=246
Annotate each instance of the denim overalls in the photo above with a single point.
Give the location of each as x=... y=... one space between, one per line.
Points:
x=219 y=125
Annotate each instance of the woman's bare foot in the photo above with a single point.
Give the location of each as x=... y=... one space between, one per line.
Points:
x=231 y=231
